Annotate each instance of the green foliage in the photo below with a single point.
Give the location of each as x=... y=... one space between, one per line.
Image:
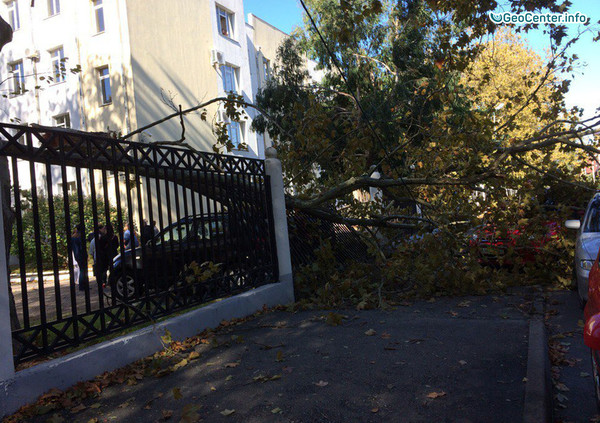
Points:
x=434 y=97
x=45 y=233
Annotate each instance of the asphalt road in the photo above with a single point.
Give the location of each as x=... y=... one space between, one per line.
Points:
x=574 y=400
x=450 y=360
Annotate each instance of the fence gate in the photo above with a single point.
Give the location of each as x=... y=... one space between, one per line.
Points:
x=188 y=228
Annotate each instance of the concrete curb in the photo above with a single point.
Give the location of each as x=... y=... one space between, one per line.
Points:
x=27 y=385
x=538 y=388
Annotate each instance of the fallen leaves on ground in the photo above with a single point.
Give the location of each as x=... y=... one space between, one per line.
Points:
x=265 y=378
x=190 y=414
x=370 y=332
x=334 y=319
x=167 y=414
x=434 y=395
x=78 y=408
x=177 y=393
x=227 y=412
x=321 y=383
x=159 y=364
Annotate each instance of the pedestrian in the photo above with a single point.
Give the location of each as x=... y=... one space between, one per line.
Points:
x=80 y=254
x=92 y=237
x=108 y=246
x=129 y=239
x=147 y=233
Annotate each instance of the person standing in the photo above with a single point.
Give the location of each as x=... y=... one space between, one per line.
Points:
x=108 y=246
x=129 y=239
x=147 y=233
x=80 y=254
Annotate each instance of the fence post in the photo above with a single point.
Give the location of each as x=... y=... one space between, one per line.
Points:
x=274 y=171
x=7 y=367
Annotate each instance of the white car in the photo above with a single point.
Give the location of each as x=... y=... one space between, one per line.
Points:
x=587 y=246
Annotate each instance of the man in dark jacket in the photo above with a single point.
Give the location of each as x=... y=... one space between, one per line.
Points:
x=80 y=254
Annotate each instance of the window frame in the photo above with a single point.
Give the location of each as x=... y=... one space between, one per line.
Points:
x=266 y=65
x=13 y=12
x=57 y=67
x=104 y=99
x=98 y=8
x=17 y=85
x=66 y=123
x=229 y=74
x=235 y=127
x=225 y=14
x=53 y=8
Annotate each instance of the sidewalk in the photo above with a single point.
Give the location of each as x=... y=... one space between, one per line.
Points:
x=452 y=360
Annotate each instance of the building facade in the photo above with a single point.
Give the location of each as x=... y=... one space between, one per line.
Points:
x=109 y=65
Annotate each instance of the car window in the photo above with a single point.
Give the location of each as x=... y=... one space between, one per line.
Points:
x=210 y=229
x=179 y=232
x=592 y=223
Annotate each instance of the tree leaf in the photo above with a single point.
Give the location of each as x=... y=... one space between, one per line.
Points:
x=434 y=395
x=227 y=412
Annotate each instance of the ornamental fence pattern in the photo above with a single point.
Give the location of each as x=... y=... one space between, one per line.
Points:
x=200 y=228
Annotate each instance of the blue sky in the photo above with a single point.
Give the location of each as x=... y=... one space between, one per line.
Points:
x=585 y=87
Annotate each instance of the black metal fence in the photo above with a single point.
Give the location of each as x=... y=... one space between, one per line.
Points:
x=200 y=228
x=307 y=234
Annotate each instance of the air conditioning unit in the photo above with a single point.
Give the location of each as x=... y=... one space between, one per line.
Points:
x=217 y=57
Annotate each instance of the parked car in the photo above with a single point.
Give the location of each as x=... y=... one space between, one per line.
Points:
x=232 y=243
x=587 y=245
x=591 y=333
x=500 y=247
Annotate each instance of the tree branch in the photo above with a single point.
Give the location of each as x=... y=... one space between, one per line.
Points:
x=205 y=104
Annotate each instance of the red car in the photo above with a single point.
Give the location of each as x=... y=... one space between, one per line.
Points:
x=492 y=245
x=591 y=333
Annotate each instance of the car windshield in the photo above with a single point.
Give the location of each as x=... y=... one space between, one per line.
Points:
x=210 y=229
x=592 y=223
x=188 y=231
x=177 y=233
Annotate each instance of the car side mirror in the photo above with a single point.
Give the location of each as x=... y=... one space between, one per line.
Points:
x=572 y=224
x=591 y=332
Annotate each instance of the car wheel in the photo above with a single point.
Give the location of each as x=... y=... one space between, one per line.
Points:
x=125 y=287
x=596 y=371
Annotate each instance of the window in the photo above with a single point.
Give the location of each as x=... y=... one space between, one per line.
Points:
x=62 y=121
x=229 y=78
x=99 y=15
x=71 y=188
x=234 y=130
x=105 y=93
x=225 y=22
x=13 y=14
x=57 y=56
x=17 y=85
x=266 y=69
x=53 y=7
